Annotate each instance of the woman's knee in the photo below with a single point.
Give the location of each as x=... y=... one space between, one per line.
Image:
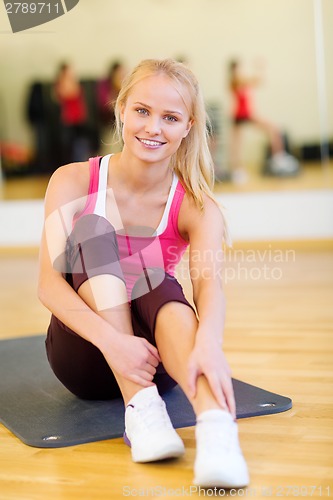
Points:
x=176 y=313
x=148 y=304
x=92 y=249
x=91 y=225
x=91 y=234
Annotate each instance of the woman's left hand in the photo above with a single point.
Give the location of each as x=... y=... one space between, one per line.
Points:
x=208 y=359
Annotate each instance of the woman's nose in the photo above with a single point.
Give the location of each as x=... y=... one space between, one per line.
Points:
x=153 y=125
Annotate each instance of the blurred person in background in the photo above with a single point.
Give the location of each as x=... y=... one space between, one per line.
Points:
x=243 y=112
x=107 y=92
x=69 y=94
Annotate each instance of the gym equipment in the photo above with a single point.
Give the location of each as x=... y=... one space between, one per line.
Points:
x=41 y=412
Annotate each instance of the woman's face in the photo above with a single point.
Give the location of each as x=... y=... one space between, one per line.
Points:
x=155 y=119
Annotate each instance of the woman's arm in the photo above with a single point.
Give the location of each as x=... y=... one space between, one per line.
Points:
x=65 y=196
x=205 y=234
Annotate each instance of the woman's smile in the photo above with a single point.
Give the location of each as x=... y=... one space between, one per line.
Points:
x=155 y=120
x=150 y=144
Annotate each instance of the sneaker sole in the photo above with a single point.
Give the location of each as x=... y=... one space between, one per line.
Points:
x=169 y=451
x=217 y=479
x=218 y=483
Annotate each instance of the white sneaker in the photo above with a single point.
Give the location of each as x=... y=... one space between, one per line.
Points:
x=239 y=176
x=219 y=460
x=148 y=428
x=283 y=164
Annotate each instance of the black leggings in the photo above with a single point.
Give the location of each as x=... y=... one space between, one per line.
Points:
x=92 y=250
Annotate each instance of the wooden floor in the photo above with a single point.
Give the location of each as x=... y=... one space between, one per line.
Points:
x=279 y=335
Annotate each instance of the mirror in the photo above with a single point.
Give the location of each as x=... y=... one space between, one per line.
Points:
x=290 y=42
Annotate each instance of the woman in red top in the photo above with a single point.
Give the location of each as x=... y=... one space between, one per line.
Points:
x=243 y=112
x=73 y=114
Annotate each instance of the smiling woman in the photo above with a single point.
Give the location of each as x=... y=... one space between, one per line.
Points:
x=109 y=226
x=147 y=121
x=188 y=147
x=260 y=312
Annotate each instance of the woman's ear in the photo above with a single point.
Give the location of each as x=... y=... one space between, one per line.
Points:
x=122 y=113
x=189 y=126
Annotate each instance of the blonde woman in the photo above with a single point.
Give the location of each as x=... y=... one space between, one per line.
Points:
x=115 y=228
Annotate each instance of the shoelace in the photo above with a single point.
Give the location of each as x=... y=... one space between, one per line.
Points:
x=217 y=432
x=153 y=415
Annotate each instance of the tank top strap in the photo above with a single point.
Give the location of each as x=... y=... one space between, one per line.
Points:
x=165 y=217
x=94 y=174
x=92 y=189
x=99 y=208
x=174 y=211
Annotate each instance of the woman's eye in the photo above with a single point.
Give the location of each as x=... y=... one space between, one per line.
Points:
x=142 y=111
x=171 y=118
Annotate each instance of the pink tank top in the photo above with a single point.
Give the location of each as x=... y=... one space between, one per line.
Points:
x=162 y=250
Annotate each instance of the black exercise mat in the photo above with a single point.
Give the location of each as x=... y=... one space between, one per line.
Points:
x=36 y=407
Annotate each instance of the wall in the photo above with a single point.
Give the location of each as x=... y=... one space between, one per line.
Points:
x=207 y=32
x=267 y=217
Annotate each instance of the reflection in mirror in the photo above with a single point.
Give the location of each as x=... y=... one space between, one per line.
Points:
x=284 y=53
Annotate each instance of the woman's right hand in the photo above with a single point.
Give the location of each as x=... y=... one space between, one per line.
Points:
x=133 y=358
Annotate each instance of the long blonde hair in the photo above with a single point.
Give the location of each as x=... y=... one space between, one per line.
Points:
x=192 y=162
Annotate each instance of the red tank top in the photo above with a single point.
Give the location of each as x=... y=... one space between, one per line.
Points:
x=242 y=107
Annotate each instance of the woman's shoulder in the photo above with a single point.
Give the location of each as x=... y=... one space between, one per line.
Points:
x=209 y=204
x=69 y=183
x=73 y=175
x=192 y=217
